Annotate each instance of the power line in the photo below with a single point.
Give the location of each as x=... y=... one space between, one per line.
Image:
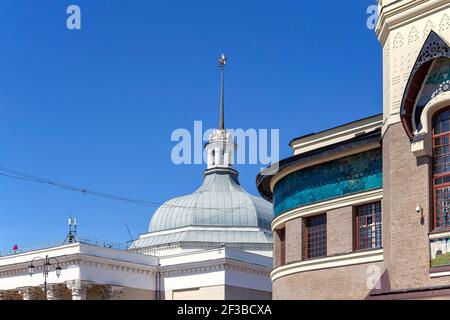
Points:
x=14 y=174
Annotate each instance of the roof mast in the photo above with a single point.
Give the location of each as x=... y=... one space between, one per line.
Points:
x=222 y=63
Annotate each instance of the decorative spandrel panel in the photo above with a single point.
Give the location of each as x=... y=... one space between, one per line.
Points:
x=337 y=178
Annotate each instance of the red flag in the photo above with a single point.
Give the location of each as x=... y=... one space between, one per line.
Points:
x=16 y=247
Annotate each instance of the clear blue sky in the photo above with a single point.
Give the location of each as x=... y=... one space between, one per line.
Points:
x=96 y=107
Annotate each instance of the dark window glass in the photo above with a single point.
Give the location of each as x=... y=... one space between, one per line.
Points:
x=441 y=169
x=368 y=226
x=315 y=237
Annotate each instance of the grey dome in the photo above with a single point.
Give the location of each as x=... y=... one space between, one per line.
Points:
x=220 y=211
x=220 y=201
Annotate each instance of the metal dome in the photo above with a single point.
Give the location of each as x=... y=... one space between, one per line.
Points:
x=220 y=201
x=220 y=211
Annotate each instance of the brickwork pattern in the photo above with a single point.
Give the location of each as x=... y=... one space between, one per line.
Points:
x=339 y=231
x=294 y=240
x=406 y=183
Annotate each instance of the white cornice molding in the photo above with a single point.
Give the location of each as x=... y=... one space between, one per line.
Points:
x=439 y=274
x=213 y=266
x=328 y=263
x=440 y=235
x=165 y=250
x=324 y=206
x=197 y=228
x=335 y=135
x=404 y=12
x=81 y=259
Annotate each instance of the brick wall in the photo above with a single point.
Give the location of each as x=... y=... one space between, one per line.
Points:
x=406 y=183
x=340 y=231
x=276 y=249
x=294 y=240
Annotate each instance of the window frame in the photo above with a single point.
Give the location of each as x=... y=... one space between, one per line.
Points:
x=434 y=176
x=357 y=228
x=306 y=253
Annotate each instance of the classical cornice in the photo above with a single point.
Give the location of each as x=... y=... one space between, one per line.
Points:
x=158 y=249
x=222 y=264
x=404 y=12
x=80 y=260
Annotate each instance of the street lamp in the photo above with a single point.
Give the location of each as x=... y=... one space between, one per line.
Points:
x=46 y=264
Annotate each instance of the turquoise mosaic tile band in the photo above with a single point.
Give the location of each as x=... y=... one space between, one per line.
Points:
x=337 y=178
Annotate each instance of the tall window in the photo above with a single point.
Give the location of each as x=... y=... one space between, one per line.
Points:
x=441 y=169
x=315 y=237
x=368 y=226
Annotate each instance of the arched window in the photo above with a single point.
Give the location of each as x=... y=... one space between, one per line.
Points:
x=441 y=169
x=213 y=156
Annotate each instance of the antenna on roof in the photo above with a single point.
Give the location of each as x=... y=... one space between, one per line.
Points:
x=129 y=232
x=72 y=235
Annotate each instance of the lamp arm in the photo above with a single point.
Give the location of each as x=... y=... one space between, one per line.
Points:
x=37 y=259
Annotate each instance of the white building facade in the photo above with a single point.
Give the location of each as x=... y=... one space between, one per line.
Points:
x=215 y=243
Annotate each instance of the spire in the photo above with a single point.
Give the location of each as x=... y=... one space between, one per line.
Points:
x=222 y=63
x=220 y=146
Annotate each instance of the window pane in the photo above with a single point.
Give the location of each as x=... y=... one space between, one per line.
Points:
x=441 y=169
x=315 y=236
x=368 y=226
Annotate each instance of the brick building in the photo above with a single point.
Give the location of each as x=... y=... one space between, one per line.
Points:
x=362 y=210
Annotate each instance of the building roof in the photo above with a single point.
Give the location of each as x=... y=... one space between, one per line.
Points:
x=354 y=123
x=220 y=211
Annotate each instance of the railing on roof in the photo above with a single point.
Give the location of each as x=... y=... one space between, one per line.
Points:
x=79 y=239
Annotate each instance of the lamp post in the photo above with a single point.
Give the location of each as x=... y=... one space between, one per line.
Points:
x=46 y=264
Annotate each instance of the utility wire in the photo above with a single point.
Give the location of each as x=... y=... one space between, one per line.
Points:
x=14 y=174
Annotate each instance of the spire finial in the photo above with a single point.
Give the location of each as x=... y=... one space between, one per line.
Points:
x=222 y=63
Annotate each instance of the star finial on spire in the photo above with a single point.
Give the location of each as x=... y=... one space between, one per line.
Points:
x=222 y=61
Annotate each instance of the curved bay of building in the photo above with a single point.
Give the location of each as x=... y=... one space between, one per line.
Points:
x=361 y=210
x=315 y=193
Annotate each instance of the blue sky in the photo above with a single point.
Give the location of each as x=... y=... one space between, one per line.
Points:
x=96 y=107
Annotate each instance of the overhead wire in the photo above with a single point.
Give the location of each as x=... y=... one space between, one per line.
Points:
x=14 y=174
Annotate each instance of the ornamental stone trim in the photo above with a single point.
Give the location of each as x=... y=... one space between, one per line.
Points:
x=55 y=291
x=79 y=288
x=112 y=292
x=29 y=293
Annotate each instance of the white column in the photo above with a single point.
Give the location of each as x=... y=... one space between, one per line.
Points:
x=112 y=292
x=79 y=288
x=55 y=291
x=29 y=293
